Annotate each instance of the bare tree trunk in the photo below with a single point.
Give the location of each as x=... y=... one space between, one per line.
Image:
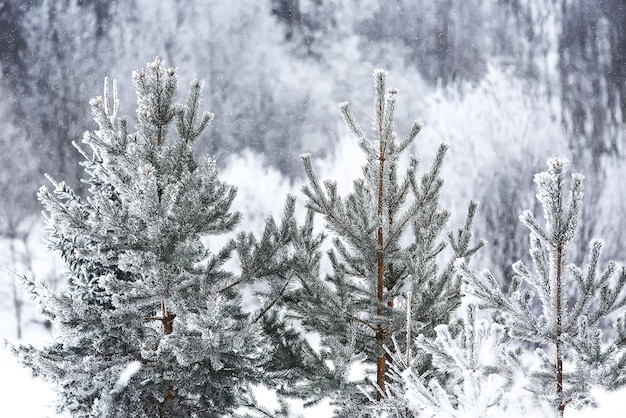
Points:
x=559 y=330
x=380 y=333
x=167 y=320
x=18 y=305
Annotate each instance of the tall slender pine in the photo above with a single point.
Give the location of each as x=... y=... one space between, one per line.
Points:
x=571 y=355
x=386 y=237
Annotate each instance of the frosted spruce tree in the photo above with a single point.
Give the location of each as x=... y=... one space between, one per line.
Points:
x=149 y=324
x=557 y=307
x=387 y=240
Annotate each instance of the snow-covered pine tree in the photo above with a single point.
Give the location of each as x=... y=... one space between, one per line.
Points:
x=387 y=241
x=472 y=356
x=562 y=319
x=149 y=324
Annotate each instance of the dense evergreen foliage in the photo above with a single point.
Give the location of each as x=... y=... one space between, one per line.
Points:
x=471 y=354
x=145 y=298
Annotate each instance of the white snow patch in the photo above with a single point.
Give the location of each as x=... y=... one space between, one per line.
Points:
x=126 y=375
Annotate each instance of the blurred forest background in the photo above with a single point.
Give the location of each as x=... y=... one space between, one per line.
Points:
x=507 y=83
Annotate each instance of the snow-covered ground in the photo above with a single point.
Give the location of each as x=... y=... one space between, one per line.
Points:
x=20 y=394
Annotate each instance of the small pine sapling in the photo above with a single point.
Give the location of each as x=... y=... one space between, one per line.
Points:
x=149 y=324
x=468 y=376
x=561 y=317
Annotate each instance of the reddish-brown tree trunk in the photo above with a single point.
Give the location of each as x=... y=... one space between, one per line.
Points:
x=167 y=320
x=380 y=333
x=559 y=330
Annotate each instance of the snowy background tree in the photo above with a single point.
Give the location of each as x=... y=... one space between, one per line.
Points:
x=239 y=50
x=145 y=327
